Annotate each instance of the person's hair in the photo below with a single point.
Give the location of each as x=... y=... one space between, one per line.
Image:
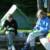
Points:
x=10 y=16
x=41 y=13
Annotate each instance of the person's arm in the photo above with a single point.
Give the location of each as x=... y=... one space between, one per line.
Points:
x=3 y=31
x=15 y=25
x=4 y=27
x=45 y=24
x=45 y=28
x=37 y=24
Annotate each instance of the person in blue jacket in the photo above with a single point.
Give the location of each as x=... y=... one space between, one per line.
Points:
x=40 y=29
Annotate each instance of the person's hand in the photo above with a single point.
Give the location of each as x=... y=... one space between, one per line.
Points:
x=36 y=30
x=1 y=31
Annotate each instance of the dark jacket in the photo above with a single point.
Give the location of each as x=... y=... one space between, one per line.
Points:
x=12 y=24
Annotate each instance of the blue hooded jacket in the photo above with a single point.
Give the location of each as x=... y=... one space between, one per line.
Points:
x=43 y=24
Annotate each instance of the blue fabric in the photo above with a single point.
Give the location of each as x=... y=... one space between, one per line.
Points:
x=26 y=47
x=10 y=39
x=43 y=24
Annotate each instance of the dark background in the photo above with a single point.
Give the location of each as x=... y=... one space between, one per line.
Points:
x=29 y=7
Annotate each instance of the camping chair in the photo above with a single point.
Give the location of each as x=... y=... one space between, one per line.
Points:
x=46 y=41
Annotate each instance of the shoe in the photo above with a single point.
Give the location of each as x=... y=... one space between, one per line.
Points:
x=9 y=48
x=13 y=48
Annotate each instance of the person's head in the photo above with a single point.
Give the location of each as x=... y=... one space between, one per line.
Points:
x=41 y=14
x=10 y=18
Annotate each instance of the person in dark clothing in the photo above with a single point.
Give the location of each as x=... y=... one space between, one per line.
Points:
x=10 y=25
